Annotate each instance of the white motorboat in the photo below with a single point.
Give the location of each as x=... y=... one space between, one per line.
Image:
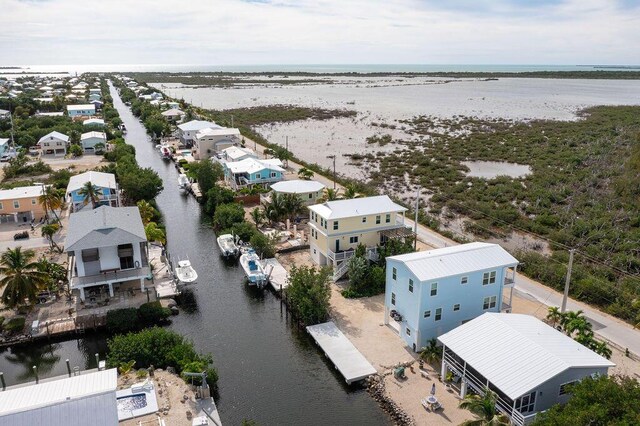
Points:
x=228 y=247
x=165 y=152
x=185 y=272
x=253 y=269
x=183 y=182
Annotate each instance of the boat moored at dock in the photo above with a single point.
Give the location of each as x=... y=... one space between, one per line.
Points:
x=253 y=269
x=185 y=274
x=183 y=183
x=228 y=246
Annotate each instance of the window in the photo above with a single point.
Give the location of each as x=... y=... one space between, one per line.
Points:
x=378 y=220
x=335 y=225
x=464 y=280
x=408 y=331
x=411 y=286
x=489 y=278
x=393 y=299
x=438 y=314
x=125 y=253
x=1 y=206
x=364 y=219
x=387 y=218
x=90 y=255
x=353 y=240
x=321 y=222
x=565 y=388
x=310 y=196
x=16 y=204
x=527 y=403
x=456 y=307
x=489 y=303
x=434 y=289
x=427 y=314
x=33 y=201
x=394 y=272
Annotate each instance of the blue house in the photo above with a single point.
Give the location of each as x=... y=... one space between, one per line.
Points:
x=106 y=184
x=89 y=140
x=251 y=171
x=85 y=110
x=430 y=293
x=4 y=146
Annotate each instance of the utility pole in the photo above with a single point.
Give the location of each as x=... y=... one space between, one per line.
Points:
x=334 y=170
x=415 y=222
x=286 y=148
x=232 y=121
x=566 y=283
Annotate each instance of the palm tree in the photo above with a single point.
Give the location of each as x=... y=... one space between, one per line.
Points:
x=147 y=211
x=154 y=233
x=257 y=215
x=292 y=205
x=350 y=192
x=275 y=210
x=305 y=173
x=48 y=231
x=20 y=276
x=330 y=194
x=485 y=408
x=601 y=348
x=431 y=353
x=91 y=194
x=52 y=199
x=554 y=315
x=575 y=322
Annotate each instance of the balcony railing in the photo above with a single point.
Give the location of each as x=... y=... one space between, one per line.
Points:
x=110 y=276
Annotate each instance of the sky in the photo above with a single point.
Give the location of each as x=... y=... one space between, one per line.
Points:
x=248 y=32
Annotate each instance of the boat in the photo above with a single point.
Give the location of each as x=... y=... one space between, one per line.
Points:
x=228 y=247
x=253 y=269
x=165 y=152
x=185 y=272
x=183 y=182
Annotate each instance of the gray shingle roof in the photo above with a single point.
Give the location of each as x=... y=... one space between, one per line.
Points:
x=104 y=227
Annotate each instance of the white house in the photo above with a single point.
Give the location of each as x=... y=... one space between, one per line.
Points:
x=209 y=141
x=5 y=114
x=89 y=140
x=81 y=110
x=429 y=293
x=104 y=182
x=107 y=249
x=528 y=364
x=309 y=191
x=189 y=129
x=250 y=172
x=173 y=114
x=54 y=143
x=237 y=153
x=74 y=400
x=99 y=122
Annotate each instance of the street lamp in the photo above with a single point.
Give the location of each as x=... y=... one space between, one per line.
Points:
x=334 y=170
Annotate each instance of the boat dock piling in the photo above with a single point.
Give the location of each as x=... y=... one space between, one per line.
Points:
x=339 y=349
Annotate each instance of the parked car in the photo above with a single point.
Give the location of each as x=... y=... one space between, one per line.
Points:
x=5 y=158
x=21 y=235
x=44 y=297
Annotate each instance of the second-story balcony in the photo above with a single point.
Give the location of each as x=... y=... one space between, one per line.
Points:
x=509 y=277
x=110 y=276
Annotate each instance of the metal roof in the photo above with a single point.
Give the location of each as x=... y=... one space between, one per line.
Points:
x=77 y=400
x=80 y=107
x=251 y=165
x=297 y=186
x=455 y=260
x=237 y=152
x=104 y=226
x=103 y=180
x=196 y=125
x=55 y=135
x=21 y=192
x=172 y=112
x=94 y=134
x=517 y=353
x=222 y=131
x=91 y=121
x=353 y=207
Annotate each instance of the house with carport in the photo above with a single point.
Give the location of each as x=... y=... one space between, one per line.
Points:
x=89 y=140
x=54 y=144
x=529 y=365
x=21 y=204
x=107 y=252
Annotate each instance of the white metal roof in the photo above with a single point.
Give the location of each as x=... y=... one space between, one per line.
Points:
x=340 y=209
x=55 y=135
x=4 y=141
x=196 y=125
x=251 y=165
x=90 y=121
x=455 y=260
x=94 y=134
x=173 y=112
x=222 y=131
x=518 y=352
x=297 y=186
x=21 y=404
x=80 y=107
x=21 y=192
x=103 y=180
x=235 y=153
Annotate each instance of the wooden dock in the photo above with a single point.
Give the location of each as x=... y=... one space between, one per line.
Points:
x=347 y=359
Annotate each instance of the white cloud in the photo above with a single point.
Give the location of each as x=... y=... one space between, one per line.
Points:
x=322 y=31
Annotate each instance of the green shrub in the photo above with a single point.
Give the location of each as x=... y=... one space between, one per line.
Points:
x=227 y=215
x=153 y=313
x=15 y=325
x=122 y=320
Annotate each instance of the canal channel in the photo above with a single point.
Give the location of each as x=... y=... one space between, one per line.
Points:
x=270 y=371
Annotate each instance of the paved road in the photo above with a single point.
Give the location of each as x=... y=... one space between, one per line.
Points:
x=607 y=327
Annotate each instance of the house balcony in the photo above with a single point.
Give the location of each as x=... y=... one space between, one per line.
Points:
x=111 y=276
x=509 y=277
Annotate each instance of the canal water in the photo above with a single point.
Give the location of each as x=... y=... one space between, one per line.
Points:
x=270 y=371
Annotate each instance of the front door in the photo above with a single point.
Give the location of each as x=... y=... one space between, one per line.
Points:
x=337 y=246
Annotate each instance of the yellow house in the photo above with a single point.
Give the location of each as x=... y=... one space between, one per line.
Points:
x=338 y=227
x=21 y=204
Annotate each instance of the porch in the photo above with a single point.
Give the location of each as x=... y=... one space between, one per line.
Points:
x=108 y=279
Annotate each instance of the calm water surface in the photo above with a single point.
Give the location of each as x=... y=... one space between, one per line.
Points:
x=269 y=371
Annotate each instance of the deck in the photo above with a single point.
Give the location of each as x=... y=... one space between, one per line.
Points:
x=347 y=359
x=279 y=277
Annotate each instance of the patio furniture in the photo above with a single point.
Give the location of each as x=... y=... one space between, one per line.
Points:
x=398 y=373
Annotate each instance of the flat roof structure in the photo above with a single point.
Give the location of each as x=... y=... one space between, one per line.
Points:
x=81 y=107
x=347 y=359
x=516 y=352
x=197 y=125
x=297 y=186
x=455 y=260
x=84 y=399
x=354 y=207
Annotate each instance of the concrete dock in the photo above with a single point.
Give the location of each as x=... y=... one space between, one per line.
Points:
x=278 y=276
x=347 y=359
